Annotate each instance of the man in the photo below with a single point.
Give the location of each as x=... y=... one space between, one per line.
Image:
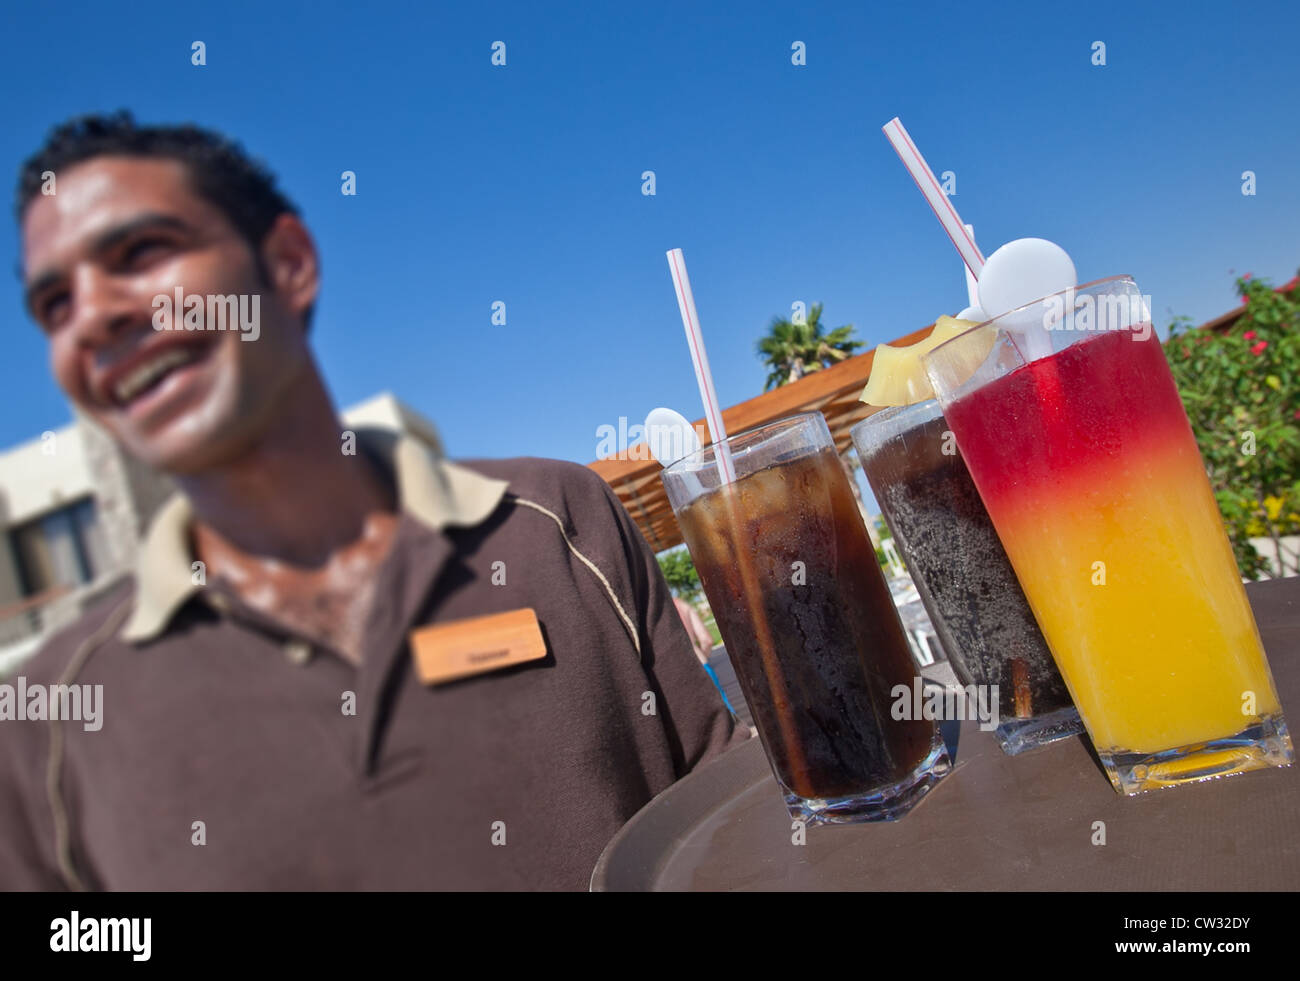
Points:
x=701 y=639
x=341 y=663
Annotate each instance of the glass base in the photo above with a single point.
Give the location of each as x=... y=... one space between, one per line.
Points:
x=1262 y=744
x=884 y=804
x=1017 y=735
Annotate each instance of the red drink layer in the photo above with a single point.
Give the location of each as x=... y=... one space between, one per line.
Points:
x=1062 y=425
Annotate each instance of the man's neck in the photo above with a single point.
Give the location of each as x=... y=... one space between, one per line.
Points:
x=294 y=497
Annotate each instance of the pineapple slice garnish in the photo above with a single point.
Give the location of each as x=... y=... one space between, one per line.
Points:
x=897 y=376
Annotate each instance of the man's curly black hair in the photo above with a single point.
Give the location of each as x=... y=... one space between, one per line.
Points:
x=221 y=173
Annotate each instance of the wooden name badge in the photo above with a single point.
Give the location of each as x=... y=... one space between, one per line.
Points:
x=463 y=648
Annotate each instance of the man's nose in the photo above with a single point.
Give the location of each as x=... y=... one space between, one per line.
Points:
x=103 y=308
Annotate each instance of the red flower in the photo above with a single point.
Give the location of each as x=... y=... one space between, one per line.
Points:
x=1258 y=348
x=1249 y=335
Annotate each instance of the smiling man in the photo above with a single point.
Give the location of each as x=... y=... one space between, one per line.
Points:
x=342 y=663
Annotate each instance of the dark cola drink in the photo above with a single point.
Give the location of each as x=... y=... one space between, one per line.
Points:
x=812 y=630
x=966 y=582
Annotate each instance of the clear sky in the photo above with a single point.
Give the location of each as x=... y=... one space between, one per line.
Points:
x=523 y=183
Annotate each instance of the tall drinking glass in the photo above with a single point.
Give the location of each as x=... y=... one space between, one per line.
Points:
x=965 y=580
x=809 y=624
x=1074 y=432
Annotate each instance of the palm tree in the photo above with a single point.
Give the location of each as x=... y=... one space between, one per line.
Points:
x=791 y=351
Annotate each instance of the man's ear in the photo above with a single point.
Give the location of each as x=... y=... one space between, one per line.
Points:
x=291 y=264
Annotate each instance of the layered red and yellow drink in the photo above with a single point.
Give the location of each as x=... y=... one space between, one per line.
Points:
x=1088 y=467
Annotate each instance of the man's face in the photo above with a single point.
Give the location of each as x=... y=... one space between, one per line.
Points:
x=117 y=233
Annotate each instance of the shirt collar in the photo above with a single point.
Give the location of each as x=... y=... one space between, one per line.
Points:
x=430 y=488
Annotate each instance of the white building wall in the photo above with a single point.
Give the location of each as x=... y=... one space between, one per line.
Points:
x=35 y=477
x=43 y=474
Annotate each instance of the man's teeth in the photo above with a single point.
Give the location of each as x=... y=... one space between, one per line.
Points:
x=149 y=372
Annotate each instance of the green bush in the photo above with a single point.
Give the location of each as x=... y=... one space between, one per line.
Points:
x=1241 y=390
x=680 y=572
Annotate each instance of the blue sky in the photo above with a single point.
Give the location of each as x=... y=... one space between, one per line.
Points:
x=523 y=183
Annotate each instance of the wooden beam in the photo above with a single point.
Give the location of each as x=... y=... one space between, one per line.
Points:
x=832 y=391
x=849 y=375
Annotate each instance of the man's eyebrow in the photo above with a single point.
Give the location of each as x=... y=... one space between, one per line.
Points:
x=104 y=241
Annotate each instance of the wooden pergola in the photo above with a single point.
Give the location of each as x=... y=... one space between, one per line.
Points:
x=834 y=392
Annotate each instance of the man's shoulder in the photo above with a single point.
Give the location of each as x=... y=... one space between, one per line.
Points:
x=550 y=483
x=586 y=508
x=99 y=611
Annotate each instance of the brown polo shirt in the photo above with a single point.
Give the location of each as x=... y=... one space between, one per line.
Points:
x=227 y=759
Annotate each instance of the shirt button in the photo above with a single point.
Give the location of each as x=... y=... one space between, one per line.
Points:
x=298 y=652
x=219 y=602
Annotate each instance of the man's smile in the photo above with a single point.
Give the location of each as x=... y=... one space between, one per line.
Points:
x=152 y=375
